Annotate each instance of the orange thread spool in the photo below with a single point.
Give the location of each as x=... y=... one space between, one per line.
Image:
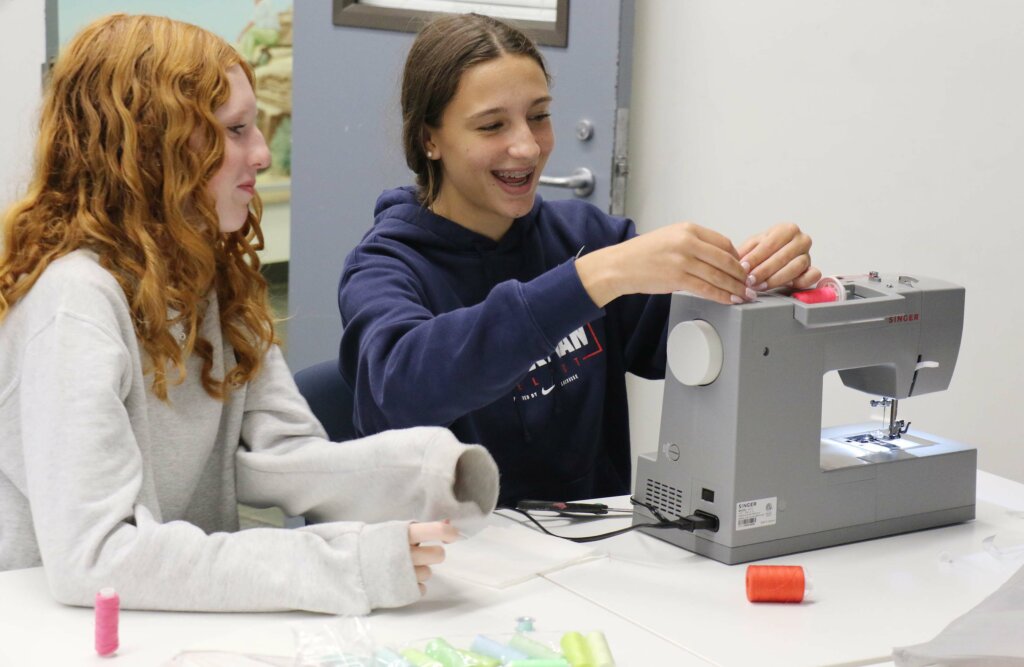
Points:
x=775 y=583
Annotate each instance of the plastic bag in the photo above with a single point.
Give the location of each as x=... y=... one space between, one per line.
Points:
x=989 y=634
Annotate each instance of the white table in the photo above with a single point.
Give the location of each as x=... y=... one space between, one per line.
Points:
x=36 y=631
x=867 y=597
x=657 y=604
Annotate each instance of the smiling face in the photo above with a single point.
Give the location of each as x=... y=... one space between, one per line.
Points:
x=493 y=142
x=245 y=153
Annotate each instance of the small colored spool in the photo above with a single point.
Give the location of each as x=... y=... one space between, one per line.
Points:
x=443 y=652
x=532 y=648
x=827 y=290
x=599 y=650
x=449 y=656
x=576 y=650
x=524 y=624
x=775 y=583
x=495 y=649
x=474 y=659
x=108 y=605
x=419 y=658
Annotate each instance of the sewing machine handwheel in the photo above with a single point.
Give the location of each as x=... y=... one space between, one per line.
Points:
x=694 y=352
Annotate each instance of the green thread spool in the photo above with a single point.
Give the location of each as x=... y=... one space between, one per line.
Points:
x=419 y=658
x=449 y=656
x=474 y=659
x=576 y=650
x=444 y=653
x=599 y=650
x=532 y=648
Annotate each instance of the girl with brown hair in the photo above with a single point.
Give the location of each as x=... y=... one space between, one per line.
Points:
x=142 y=393
x=474 y=304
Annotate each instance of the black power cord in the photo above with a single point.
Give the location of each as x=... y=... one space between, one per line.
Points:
x=699 y=520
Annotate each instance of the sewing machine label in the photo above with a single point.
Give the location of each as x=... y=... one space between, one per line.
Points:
x=756 y=513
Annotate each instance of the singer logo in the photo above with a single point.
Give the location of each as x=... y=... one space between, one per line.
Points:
x=906 y=317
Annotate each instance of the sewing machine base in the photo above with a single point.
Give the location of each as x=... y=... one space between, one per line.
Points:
x=809 y=542
x=925 y=486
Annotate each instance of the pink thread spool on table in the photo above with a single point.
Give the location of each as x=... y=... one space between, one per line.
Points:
x=108 y=605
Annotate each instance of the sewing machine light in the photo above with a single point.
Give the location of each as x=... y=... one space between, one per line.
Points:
x=694 y=352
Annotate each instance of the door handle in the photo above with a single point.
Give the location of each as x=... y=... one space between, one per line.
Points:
x=581 y=181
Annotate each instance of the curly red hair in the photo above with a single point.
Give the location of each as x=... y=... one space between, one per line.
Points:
x=117 y=171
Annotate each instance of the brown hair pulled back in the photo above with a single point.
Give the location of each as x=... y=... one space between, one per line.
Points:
x=444 y=49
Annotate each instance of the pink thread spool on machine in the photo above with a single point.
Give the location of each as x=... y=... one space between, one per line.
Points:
x=828 y=290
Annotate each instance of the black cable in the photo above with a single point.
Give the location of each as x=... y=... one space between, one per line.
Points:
x=697 y=521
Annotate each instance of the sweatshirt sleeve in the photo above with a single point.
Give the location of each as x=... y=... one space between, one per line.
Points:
x=643 y=323
x=420 y=474
x=85 y=477
x=413 y=367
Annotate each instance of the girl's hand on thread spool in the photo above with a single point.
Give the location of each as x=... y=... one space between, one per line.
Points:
x=423 y=557
x=683 y=256
x=779 y=256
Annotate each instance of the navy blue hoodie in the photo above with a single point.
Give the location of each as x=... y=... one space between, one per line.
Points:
x=499 y=341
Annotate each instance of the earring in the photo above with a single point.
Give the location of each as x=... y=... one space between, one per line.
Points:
x=430 y=155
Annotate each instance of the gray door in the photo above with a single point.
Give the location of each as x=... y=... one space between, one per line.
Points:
x=346 y=141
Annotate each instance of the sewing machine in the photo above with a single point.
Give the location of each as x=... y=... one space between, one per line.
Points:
x=741 y=435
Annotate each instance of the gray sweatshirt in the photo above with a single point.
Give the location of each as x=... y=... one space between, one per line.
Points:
x=105 y=485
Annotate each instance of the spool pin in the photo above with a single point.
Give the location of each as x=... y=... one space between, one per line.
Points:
x=777 y=583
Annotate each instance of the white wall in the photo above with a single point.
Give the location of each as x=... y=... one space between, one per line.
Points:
x=22 y=53
x=892 y=131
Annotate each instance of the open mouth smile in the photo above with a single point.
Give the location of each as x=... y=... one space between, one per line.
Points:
x=514 y=180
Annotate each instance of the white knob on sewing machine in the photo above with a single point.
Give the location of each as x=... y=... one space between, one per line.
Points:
x=694 y=352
